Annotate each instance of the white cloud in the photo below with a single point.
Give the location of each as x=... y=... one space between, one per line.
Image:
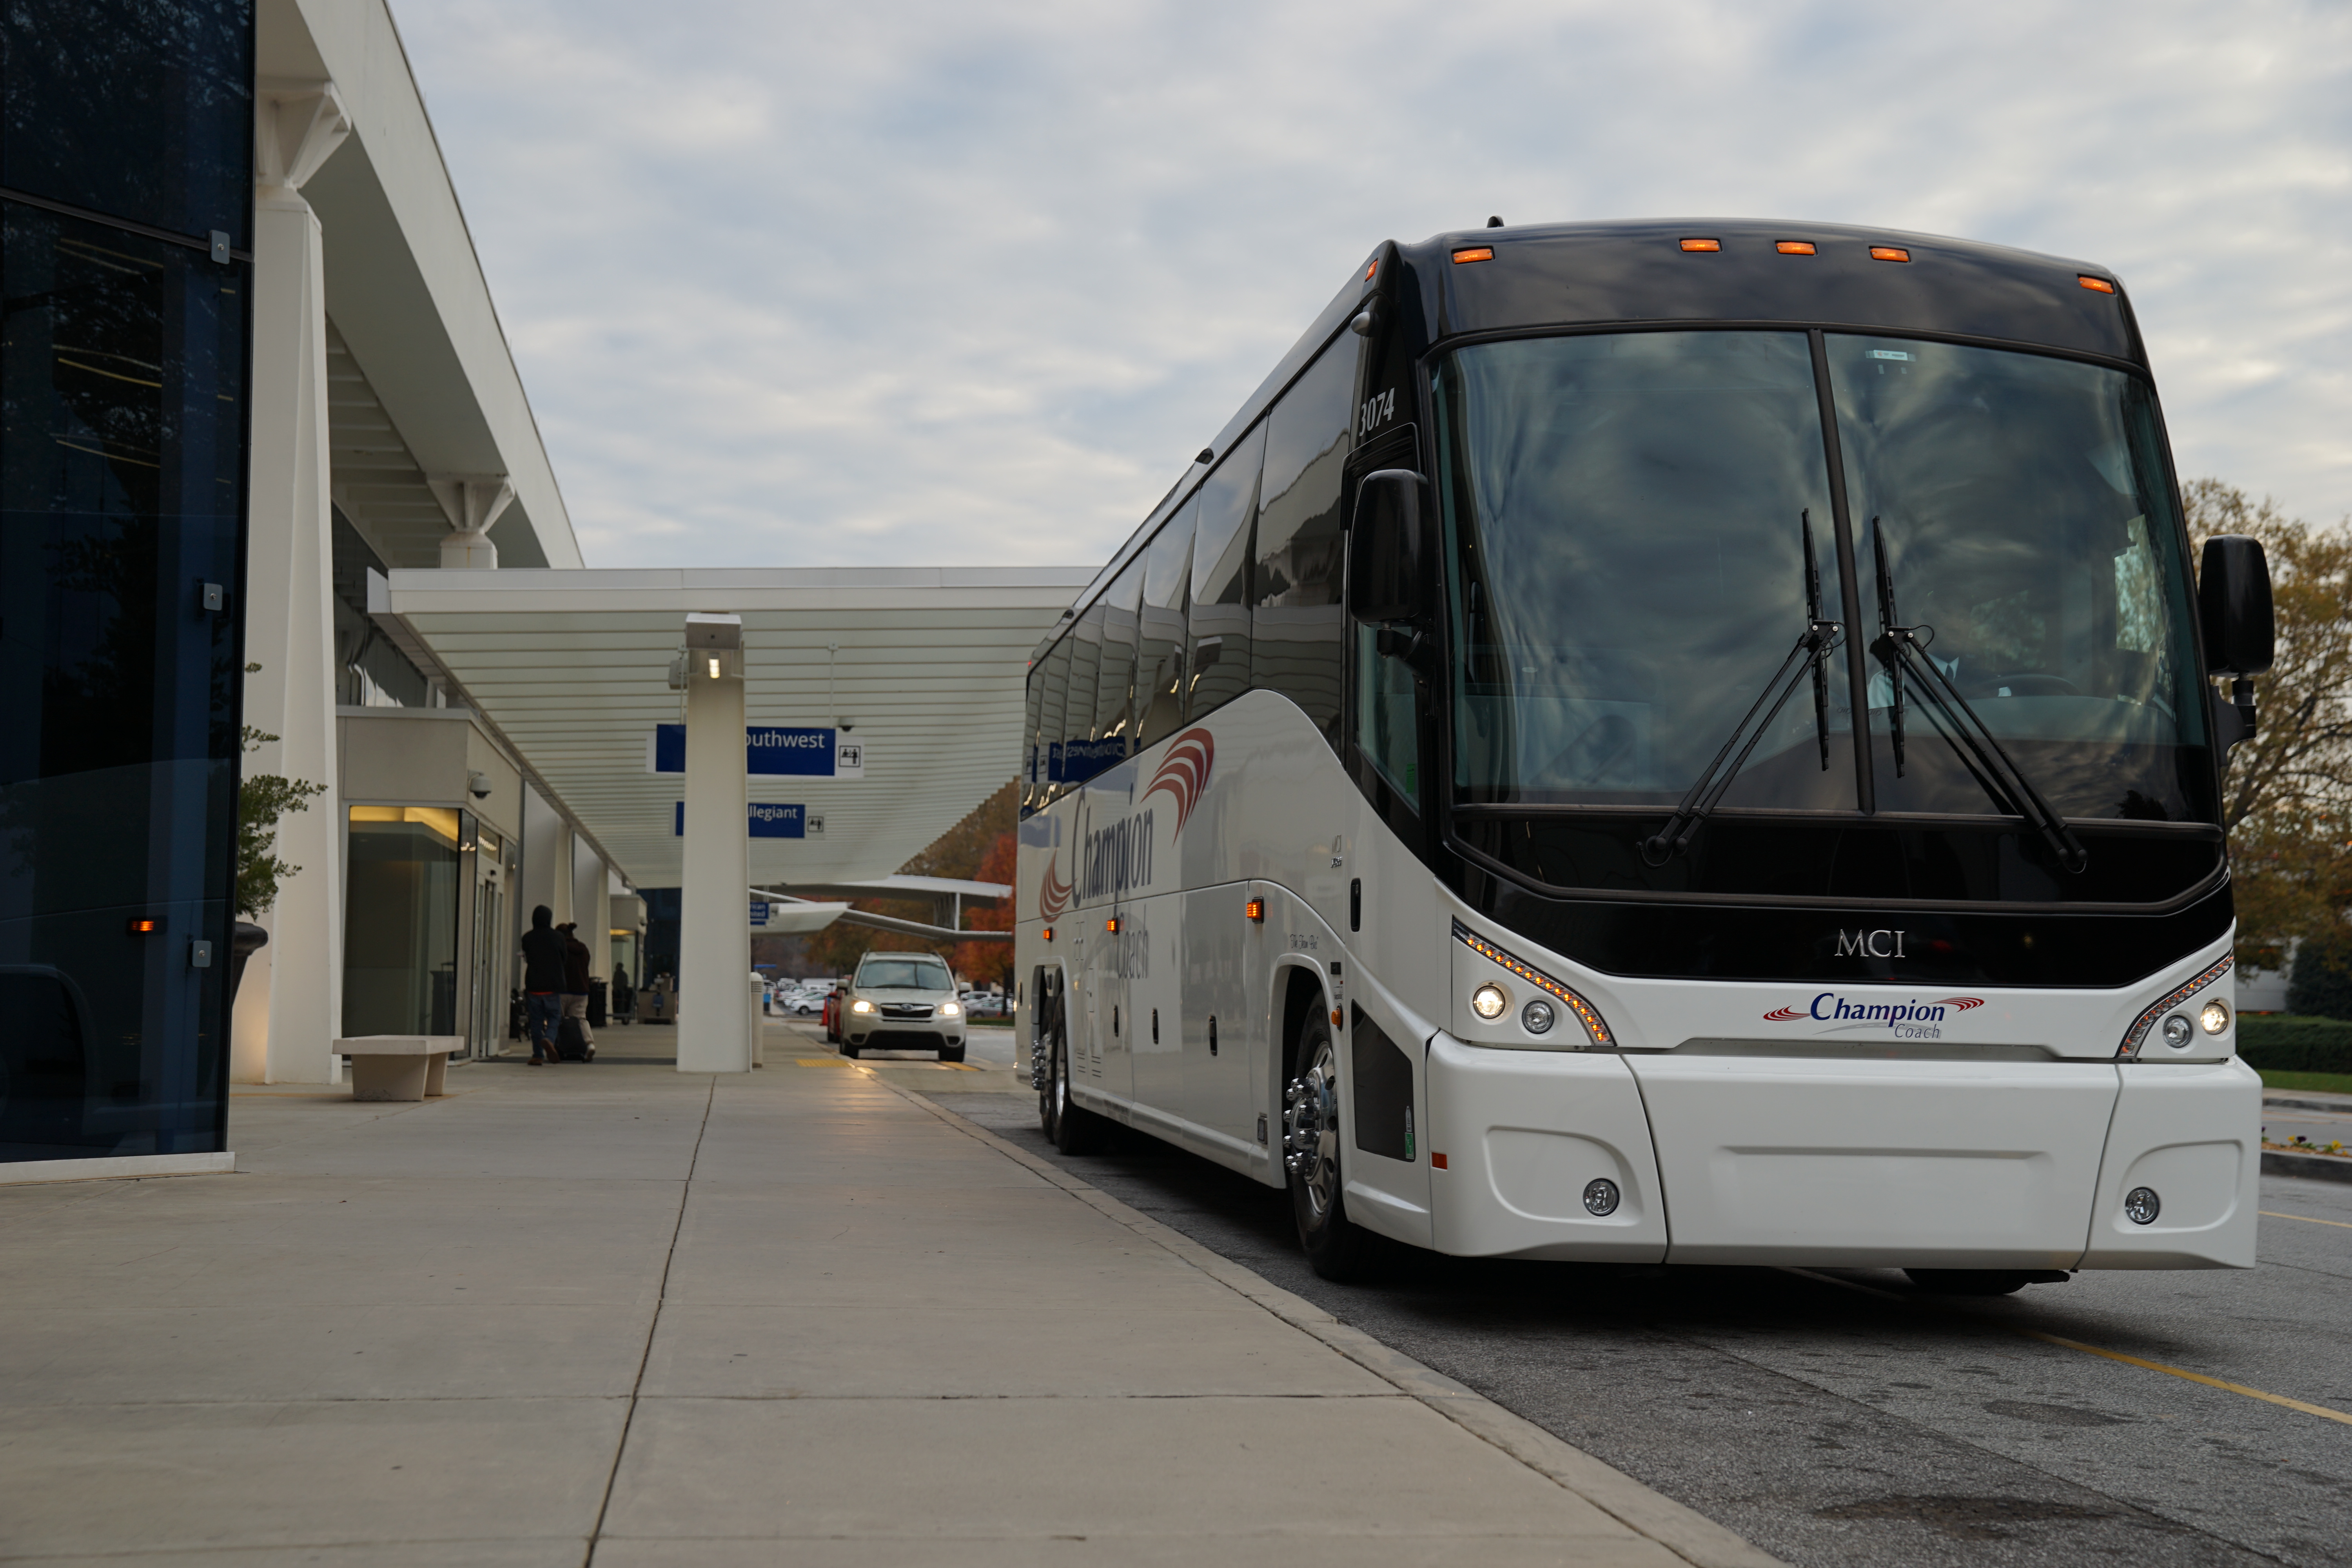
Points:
x=798 y=284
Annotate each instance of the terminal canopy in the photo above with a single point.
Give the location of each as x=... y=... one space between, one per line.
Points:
x=924 y=666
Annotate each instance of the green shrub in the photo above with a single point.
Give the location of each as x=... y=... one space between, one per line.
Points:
x=2288 y=1043
x=2321 y=985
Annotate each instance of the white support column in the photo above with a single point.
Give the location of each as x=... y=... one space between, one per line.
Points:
x=290 y=1009
x=714 y=935
x=472 y=503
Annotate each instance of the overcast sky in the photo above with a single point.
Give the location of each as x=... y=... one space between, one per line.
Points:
x=968 y=283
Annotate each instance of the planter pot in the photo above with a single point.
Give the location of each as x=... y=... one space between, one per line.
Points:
x=246 y=938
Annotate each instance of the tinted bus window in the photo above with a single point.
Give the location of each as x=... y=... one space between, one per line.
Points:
x=1053 y=684
x=1032 y=769
x=1160 y=647
x=1078 y=750
x=1115 y=685
x=1299 y=627
x=1220 y=618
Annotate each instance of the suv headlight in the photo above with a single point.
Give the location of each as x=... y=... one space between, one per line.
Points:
x=950 y=1010
x=861 y=1006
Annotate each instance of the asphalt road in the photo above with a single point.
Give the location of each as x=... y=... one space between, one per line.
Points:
x=1842 y=1419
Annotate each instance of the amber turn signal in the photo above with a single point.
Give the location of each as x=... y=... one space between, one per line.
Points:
x=1335 y=1017
x=2096 y=285
x=1889 y=253
x=1702 y=244
x=1255 y=911
x=143 y=925
x=1475 y=253
x=1795 y=247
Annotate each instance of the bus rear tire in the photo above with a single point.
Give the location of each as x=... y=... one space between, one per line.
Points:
x=1336 y=1247
x=1069 y=1126
x=1973 y=1281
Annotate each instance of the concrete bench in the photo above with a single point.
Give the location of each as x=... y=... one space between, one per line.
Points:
x=399 y=1066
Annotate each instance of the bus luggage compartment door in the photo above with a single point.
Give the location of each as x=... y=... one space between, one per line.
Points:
x=1871 y=1163
x=1524 y=1137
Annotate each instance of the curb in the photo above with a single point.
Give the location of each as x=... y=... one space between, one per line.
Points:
x=2317 y=1167
x=2287 y=1102
x=1683 y=1530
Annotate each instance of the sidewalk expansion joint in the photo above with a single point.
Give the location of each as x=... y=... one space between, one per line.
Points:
x=1679 y=1529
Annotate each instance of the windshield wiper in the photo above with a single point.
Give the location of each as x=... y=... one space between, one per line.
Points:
x=1990 y=762
x=1813 y=648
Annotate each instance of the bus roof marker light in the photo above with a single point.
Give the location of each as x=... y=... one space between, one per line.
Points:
x=1889 y=253
x=1702 y=244
x=1795 y=247
x=1474 y=253
x=1586 y=1013
x=2096 y=285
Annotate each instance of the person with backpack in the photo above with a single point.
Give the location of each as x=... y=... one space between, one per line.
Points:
x=542 y=983
x=575 y=990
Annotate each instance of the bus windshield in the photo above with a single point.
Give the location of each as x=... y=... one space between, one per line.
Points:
x=1629 y=515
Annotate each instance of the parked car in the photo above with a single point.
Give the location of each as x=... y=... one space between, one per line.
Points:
x=901 y=1001
x=983 y=1004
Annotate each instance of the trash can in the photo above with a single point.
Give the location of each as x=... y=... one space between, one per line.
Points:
x=597 y=994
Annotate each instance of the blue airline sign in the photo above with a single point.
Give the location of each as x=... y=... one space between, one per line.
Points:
x=772 y=749
x=769 y=820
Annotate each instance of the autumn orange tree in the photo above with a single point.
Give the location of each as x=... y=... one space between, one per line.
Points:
x=2286 y=795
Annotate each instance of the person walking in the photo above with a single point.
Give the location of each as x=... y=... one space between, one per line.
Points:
x=575 y=986
x=542 y=983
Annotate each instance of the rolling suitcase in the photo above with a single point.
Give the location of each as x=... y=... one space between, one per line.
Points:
x=571 y=1042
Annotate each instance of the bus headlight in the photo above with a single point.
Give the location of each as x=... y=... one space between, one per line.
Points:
x=1536 y=1017
x=2214 y=1018
x=2176 y=1031
x=1488 y=1001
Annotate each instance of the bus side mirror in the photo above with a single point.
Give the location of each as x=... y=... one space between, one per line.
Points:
x=2234 y=601
x=1388 y=556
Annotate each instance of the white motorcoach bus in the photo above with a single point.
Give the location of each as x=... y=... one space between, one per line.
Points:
x=1684 y=743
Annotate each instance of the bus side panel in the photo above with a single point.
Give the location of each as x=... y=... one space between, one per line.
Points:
x=1155 y=988
x=1219 y=1101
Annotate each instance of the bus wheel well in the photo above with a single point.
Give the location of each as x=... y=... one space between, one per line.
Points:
x=1302 y=998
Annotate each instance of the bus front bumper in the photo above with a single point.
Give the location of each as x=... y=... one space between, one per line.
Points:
x=1841 y=1162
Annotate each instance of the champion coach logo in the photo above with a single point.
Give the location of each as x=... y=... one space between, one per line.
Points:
x=1185 y=774
x=1829 y=1007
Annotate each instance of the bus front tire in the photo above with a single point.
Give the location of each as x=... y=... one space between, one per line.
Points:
x=1336 y=1247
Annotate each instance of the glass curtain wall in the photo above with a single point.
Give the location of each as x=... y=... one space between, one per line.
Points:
x=126 y=165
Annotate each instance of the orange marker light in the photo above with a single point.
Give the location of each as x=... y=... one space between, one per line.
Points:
x=1112 y=925
x=144 y=925
x=1889 y=253
x=1369 y=267
x=2097 y=285
x=1255 y=911
x=1795 y=247
x=1436 y=1162
x=1702 y=244
x=1335 y=1017
x=1475 y=253
x=1049 y=934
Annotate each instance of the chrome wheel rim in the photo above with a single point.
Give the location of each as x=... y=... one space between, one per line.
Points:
x=1310 y=1133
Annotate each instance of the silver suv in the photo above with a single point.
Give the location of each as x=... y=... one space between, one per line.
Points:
x=902 y=1001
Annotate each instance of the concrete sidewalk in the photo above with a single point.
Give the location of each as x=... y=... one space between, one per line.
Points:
x=608 y=1313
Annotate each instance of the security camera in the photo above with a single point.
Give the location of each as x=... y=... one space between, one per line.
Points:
x=848 y=725
x=477 y=784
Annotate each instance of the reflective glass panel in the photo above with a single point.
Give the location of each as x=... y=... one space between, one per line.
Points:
x=1160 y=649
x=2028 y=533
x=1299 y=627
x=404 y=869
x=1219 y=621
x=1627 y=514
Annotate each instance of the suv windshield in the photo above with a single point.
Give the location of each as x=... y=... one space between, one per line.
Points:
x=904 y=974
x=1627 y=511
